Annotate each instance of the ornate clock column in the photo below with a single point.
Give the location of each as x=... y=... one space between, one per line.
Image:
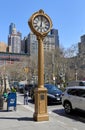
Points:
x=40 y=24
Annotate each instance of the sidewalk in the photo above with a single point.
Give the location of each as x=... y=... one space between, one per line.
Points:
x=22 y=119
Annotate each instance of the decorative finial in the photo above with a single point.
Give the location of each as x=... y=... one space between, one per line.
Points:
x=41 y=11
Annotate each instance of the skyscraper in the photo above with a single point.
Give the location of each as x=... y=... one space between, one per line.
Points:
x=12 y=28
x=32 y=44
x=81 y=45
x=54 y=32
x=14 y=39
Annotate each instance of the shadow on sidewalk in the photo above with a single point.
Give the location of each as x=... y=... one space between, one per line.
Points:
x=75 y=115
x=17 y=118
x=3 y=111
x=7 y=110
x=11 y=108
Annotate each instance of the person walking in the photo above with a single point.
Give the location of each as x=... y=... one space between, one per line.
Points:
x=26 y=98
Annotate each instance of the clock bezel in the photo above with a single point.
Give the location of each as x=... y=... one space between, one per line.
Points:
x=31 y=23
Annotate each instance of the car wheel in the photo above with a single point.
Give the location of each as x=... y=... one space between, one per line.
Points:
x=68 y=107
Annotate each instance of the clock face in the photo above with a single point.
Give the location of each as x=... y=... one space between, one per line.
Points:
x=41 y=24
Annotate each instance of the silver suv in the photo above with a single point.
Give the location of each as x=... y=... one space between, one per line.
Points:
x=74 y=98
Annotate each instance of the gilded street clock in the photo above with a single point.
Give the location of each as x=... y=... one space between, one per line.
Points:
x=40 y=23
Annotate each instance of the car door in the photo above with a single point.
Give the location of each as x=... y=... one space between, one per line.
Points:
x=81 y=95
x=74 y=99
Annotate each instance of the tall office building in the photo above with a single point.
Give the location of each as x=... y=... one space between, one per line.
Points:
x=12 y=28
x=50 y=42
x=81 y=45
x=32 y=44
x=14 y=39
x=54 y=32
x=24 y=45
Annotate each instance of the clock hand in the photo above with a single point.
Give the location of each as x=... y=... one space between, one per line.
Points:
x=41 y=24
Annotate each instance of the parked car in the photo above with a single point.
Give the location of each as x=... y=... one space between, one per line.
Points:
x=54 y=94
x=76 y=83
x=21 y=88
x=73 y=98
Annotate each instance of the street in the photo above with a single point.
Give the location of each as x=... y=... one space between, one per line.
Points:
x=76 y=121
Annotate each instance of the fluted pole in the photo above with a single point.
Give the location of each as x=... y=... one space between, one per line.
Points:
x=40 y=63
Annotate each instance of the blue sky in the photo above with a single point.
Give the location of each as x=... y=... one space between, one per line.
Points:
x=68 y=16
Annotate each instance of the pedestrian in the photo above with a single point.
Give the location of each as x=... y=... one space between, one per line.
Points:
x=13 y=89
x=26 y=98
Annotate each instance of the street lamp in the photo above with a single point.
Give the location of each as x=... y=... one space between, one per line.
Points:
x=40 y=24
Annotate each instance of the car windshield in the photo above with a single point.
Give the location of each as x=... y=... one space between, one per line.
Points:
x=82 y=83
x=52 y=87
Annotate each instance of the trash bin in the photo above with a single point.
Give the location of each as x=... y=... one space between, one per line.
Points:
x=11 y=100
x=1 y=102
